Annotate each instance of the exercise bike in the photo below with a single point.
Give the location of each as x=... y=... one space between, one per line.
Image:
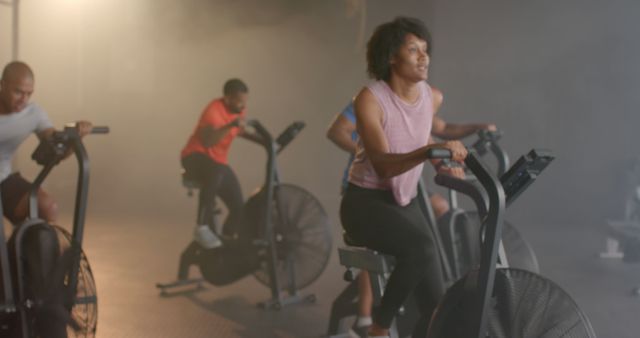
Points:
x=457 y=235
x=285 y=241
x=47 y=287
x=487 y=302
x=623 y=235
x=504 y=302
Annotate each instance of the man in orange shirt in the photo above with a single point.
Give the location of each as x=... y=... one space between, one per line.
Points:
x=204 y=159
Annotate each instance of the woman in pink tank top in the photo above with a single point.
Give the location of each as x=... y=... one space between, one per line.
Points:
x=379 y=208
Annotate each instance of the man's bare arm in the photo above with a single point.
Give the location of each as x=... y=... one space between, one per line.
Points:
x=340 y=132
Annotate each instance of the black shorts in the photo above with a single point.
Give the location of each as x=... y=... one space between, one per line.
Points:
x=13 y=189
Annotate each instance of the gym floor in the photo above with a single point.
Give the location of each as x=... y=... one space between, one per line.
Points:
x=129 y=255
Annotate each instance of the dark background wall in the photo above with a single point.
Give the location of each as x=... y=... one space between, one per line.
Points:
x=556 y=74
x=559 y=75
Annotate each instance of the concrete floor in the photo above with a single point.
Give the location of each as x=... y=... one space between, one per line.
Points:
x=129 y=255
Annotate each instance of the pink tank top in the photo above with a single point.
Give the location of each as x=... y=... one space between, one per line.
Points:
x=407 y=126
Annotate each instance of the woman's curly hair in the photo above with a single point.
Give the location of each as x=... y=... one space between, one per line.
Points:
x=387 y=39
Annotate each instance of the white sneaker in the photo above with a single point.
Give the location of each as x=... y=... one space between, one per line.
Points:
x=206 y=238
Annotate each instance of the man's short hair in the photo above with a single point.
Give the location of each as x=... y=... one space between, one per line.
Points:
x=16 y=67
x=386 y=41
x=234 y=86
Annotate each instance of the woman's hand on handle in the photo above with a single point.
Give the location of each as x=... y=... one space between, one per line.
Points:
x=458 y=150
x=489 y=127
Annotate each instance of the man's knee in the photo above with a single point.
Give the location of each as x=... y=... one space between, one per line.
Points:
x=439 y=204
x=47 y=207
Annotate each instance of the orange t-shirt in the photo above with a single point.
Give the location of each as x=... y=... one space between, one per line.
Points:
x=215 y=115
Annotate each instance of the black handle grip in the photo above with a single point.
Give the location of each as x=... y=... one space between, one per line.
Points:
x=433 y=153
x=100 y=130
x=289 y=134
x=494 y=135
x=259 y=128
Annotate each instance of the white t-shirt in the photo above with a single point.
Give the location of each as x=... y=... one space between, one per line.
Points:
x=15 y=128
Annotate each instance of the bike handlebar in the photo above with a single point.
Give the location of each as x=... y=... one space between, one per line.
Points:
x=289 y=134
x=94 y=129
x=493 y=135
x=259 y=128
x=100 y=130
x=438 y=153
x=266 y=139
x=52 y=150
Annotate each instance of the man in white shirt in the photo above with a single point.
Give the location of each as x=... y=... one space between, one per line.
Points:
x=19 y=118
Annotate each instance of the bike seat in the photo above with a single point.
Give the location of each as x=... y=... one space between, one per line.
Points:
x=350 y=241
x=365 y=259
x=189 y=181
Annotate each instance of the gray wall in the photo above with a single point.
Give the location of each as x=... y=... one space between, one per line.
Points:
x=5 y=33
x=555 y=74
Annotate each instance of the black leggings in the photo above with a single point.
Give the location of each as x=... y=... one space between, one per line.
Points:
x=373 y=218
x=216 y=179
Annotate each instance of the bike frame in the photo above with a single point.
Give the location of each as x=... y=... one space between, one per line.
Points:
x=272 y=180
x=69 y=140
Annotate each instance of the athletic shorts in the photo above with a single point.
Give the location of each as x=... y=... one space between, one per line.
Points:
x=13 y=189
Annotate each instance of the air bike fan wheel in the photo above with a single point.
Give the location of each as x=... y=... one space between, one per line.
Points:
x=524 y=305
x=302 y=236
x=84 y=312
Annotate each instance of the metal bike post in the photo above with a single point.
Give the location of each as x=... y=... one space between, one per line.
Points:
x=486 y=274
x=35 y=186
x=269 y=231
x=79 y=213
x=9 y=302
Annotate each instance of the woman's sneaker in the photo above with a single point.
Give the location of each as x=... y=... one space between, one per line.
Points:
x=206 y=238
